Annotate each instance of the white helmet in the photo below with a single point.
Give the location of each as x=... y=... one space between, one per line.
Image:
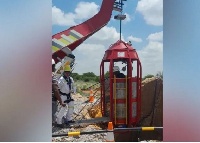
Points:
x=115 y=68
x=53 y=62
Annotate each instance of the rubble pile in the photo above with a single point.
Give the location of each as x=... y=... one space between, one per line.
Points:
x=95 y=111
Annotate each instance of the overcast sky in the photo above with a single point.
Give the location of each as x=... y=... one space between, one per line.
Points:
x=143 y=27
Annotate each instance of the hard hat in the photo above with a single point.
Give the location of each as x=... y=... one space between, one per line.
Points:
x=53 y=62
x=115 y=68
x=67 y=68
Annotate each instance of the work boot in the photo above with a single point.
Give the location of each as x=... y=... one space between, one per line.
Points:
x=68 y=122
x=71 y=121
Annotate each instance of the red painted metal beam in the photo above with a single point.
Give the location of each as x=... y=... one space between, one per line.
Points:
x=87 y=28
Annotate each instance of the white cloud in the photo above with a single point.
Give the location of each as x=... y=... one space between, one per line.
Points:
x=60 y=18
x=151 y=57
x=156 y=36
x=90 y=53
x=105 y=36
x=88 y=58
x=152 y=10
x=83 y=10
x=135 y=39
x=128 y=19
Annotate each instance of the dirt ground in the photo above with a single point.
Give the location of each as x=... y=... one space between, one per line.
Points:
x=88 y=91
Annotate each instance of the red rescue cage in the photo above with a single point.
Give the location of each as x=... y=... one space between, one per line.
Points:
x=121 y=97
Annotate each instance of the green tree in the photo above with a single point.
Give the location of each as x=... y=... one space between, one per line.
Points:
x=75 y=76
x=86 y=79
x=107 y=74
x=97 y=79
x=79 y=77
x=148 y=76
x=89 y=74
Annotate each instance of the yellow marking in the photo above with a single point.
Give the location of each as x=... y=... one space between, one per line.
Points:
x=67 y=63
x=126 y=99
x=55 y=48
x=120 y=123
x=147 y=128
x=73 y=38
x=61 y=68
x=64 y=41
x=115 y=98
x=73 y=133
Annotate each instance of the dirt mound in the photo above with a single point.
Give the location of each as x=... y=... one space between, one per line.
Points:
x=152 y=107
x=95 y=111
x=79 y=97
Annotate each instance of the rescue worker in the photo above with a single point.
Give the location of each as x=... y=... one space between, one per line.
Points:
x=66 y=84
x=55 y=93
x=117 y=72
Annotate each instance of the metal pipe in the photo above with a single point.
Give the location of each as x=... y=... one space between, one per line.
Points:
x=126 y=99
x=104 y=131
x=115 y=99
x=121 y=22
x=120 y=29
x=111 y=89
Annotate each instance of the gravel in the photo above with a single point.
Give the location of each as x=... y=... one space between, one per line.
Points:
x=78 y=105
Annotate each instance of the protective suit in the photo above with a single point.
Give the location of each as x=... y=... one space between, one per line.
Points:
x=65 y=84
